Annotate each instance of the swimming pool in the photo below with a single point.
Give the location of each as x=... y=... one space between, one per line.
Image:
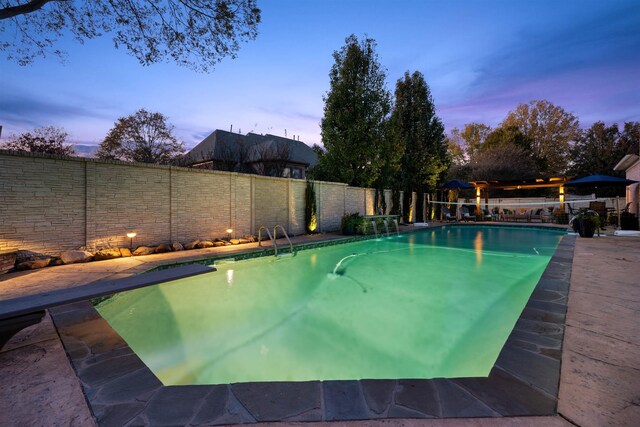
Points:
x=438 y=303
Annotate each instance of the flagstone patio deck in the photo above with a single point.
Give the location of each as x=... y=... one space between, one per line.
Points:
x=600 y=374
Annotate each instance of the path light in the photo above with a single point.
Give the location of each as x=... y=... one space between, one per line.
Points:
x=229 y=231
x=131 y=236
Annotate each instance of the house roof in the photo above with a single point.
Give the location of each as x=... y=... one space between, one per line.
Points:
x=218 y=145
x=223 y=145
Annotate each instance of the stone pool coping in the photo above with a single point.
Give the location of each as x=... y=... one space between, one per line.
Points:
x=121 y=390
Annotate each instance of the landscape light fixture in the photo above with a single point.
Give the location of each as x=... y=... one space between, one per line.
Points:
x=229 y=231
x=131 y=236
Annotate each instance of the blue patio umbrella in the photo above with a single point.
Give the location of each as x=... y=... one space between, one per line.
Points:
x=599 y=180
x=455 y=184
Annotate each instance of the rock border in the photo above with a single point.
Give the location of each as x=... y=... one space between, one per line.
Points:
x=25 y=260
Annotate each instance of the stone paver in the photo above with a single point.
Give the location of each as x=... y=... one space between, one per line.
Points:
x=38 y=386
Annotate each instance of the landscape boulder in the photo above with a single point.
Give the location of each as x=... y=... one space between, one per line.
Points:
x=165 y=247
x=34 y=263
x=251 y=239
x=205 y=244
x=177 y=246
x=234 y=241
x=144 y=250
x=74 y=256
x=7 y=261
x=191 y=245
x=219 y=243
x=103 y=254
x=244 y=241
x=125 y=252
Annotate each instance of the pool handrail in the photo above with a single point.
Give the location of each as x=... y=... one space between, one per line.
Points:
x=275 y=235
x=275 y=245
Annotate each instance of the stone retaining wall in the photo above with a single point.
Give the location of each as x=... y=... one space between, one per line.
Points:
x=49 y=204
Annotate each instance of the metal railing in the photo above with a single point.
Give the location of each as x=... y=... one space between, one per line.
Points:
x=273 y=237
x=285 y=235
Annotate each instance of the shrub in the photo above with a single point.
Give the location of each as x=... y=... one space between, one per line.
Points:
x=310 y=209
x=352 y=224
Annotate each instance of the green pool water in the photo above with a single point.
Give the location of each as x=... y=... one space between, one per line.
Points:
x=437 y=303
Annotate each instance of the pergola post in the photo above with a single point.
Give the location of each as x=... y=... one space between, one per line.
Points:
x=478 y=194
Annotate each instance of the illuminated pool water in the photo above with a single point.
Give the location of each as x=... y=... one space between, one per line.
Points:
x=438 y=303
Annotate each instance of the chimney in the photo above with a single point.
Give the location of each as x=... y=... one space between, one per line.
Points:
x=231 y=130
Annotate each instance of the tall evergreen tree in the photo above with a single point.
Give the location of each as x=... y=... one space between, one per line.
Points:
x=356 y=108
x=421 y=134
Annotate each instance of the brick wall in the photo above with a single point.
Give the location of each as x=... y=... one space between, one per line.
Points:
x=49 y=204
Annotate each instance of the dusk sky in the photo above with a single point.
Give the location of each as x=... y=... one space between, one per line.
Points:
x=480 y=58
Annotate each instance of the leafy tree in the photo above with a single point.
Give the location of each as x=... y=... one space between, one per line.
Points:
x=193 y=33
x=502 y=162
x=356 y=108
x=600 y=148
x=142 y=137
x=630 y=137
x=472 y=137
x=551 y=130
x=509 y=135
x=49 y=139
x=418 y=129
x=455 y=152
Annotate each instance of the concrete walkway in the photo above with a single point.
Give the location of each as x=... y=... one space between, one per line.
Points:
x=600 y=376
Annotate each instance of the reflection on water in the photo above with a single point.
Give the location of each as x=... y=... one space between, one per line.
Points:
x=477 y=245
x=230 y=277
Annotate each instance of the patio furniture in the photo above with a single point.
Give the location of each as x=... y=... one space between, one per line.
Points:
x=447 y=214
x=535 y=215
x=466 y=216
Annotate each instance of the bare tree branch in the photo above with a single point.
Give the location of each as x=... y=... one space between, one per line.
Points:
x=31 y=6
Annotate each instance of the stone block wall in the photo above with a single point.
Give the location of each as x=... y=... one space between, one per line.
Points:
x=49 y=204
x=42 y=203
x=355 y=201
x=297 y=189
x=126 y=199
x=332 y=199
x=271 y=202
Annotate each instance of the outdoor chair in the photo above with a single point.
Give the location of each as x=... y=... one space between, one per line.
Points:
x=466 y=216
x=536 y=214
x=447 y=215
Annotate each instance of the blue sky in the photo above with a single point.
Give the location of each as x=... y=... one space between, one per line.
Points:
x=480 y=58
